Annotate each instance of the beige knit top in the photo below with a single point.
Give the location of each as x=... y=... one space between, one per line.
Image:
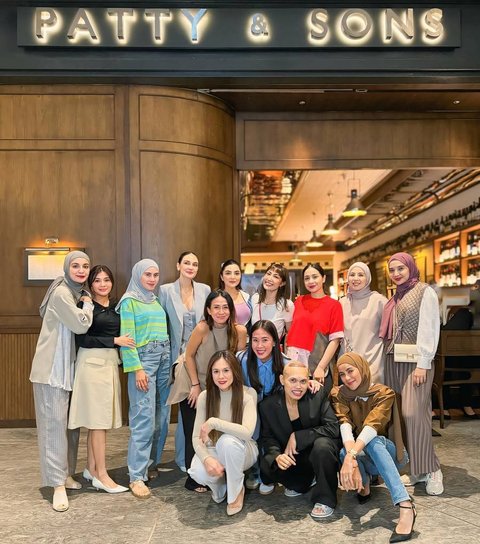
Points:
x=223 y=423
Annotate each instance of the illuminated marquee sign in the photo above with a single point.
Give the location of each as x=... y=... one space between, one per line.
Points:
x=222 y=28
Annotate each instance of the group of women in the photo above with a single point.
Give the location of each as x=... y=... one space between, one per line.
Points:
x=221 y=375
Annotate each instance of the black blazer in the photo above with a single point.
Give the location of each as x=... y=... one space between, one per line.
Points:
x=316 y=415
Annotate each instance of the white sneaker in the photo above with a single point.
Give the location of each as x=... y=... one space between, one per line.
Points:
x=321 y=511
x=265 y=489
x=435 y=483
x=291 y=493
x=410 y=480
x=252 y=482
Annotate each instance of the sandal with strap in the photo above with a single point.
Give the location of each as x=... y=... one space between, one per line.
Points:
x=70 y=483
x=140 y=490
x=403 y=537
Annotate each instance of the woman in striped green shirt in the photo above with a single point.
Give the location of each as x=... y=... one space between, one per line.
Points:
x=148 y=368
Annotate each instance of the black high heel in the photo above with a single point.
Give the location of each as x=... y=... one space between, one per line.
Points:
x=362 y=499
x=398 y=537
x=470 y=416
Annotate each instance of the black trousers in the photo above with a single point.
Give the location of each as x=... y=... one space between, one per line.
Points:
x=328 y=382
x=188 y=418
x=319 y=462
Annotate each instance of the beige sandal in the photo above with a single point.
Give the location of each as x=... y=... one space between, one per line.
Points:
x=60 y=499
x=70 y=483
x=140 y=490
x=236 y=506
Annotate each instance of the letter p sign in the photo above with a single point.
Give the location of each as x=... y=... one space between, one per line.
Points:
x=45 y=20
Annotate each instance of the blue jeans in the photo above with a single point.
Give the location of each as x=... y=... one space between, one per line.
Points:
x=381 y=458
x=180 y=442
x=148 y=414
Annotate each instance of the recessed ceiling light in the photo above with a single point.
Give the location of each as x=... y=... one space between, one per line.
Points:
x=456 y=102
x=302 y=102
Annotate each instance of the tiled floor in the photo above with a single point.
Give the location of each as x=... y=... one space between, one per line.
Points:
x=174 y=515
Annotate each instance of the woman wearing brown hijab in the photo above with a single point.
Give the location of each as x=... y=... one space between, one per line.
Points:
x=367 y=414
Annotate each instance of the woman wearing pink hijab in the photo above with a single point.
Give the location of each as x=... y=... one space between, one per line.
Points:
x=411 y=321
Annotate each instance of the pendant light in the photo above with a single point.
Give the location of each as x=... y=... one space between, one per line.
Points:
x=330 y=228
x=355 y=207
x=314 y=241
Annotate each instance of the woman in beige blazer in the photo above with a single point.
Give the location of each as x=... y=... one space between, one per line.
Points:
x=52 y=374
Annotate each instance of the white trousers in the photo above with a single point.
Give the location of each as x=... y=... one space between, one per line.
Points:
x=236 y=457
x=57 y=446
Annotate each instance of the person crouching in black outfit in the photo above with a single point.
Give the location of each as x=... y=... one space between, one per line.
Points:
x=300 y=441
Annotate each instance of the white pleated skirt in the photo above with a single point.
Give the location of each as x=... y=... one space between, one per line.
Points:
x=96 y=400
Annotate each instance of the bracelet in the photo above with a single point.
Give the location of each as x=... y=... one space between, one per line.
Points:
x=353 y=453
x=195 y=384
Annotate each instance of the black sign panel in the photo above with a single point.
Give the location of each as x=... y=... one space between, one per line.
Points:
x=224 y=28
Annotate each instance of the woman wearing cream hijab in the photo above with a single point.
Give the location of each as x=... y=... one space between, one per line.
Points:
x=362 y=315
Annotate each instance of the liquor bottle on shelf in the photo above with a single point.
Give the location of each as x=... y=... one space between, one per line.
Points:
x=457 y=248
x=469 y=243
x=473 y=272
x=450 y=276
x=475 y=244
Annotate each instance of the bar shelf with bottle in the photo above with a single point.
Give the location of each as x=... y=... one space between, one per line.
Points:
x=457 y=257
x=463 y=221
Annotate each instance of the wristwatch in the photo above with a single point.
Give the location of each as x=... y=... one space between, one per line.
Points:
x=353 y=453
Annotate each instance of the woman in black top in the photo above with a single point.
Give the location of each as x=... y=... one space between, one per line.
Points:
x=96 y=391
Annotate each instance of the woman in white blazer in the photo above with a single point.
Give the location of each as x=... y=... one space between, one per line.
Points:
x=183 y=301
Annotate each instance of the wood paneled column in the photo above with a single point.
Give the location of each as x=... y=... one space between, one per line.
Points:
x=182 y=180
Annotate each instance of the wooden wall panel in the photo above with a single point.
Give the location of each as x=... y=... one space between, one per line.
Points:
x=189 y=120
x=69 y=194
x=62 y=173
x=187 y=207
x=73 y=165
x=182 y=180
x=304 y=141
x=16 y=395
x=56 y=116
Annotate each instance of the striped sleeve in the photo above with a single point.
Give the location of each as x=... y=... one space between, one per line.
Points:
x=130 y=359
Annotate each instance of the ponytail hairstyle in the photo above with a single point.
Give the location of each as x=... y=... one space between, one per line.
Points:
x=318 y=268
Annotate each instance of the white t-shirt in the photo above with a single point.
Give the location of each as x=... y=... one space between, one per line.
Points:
x=273 y=312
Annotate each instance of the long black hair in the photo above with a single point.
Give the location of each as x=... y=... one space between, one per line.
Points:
x=231 y=329
x=277 y=357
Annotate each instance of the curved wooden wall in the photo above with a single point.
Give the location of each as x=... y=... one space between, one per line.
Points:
x=182 y=179
x=125 y=172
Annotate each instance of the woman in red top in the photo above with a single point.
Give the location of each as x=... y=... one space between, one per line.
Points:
x=315 y=313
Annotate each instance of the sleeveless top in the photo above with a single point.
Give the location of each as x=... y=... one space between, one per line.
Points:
x=407 y=315
x=189 y=322
x=215 y=340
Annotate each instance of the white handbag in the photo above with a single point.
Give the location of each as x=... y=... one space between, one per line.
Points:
x=405 y=353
